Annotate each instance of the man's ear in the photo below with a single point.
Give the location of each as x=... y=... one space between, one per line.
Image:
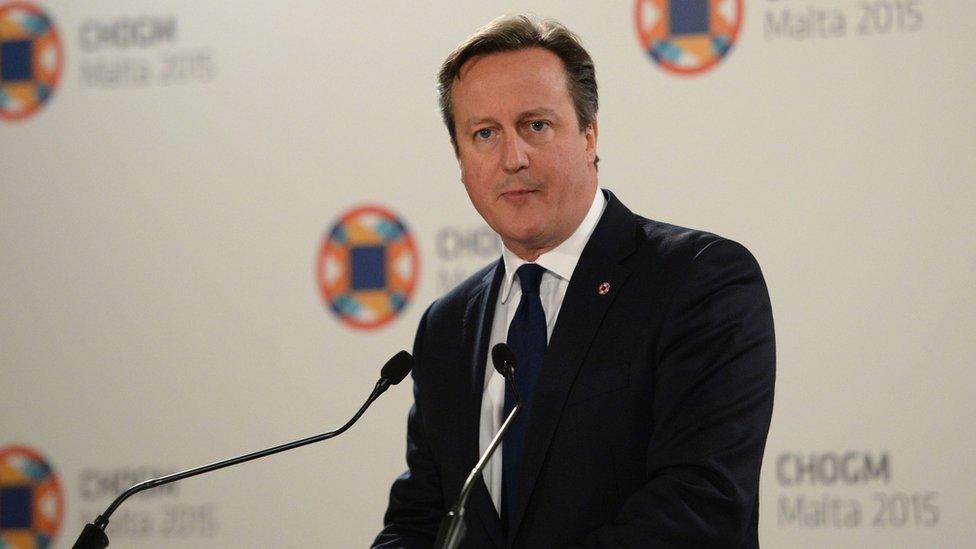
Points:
x=591 y=133
x=460 y=166
x=457 y=156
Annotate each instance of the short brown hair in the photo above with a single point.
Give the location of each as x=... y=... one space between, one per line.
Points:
x=517 y=32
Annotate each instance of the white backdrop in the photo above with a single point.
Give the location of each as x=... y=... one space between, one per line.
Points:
x=161 y=216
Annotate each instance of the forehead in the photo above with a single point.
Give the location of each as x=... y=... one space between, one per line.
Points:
x=513 y=80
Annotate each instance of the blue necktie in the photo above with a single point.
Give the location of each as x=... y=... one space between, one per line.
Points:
x=527 y=338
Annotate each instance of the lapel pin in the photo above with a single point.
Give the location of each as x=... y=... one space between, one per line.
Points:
x=603 y=288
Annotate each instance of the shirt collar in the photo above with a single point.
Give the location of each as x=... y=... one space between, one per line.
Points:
x=560 y=261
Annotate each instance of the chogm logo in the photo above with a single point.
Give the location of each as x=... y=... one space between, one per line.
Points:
x=367 y=267
x=688 y=36
x=31 y=500
x=30 y=59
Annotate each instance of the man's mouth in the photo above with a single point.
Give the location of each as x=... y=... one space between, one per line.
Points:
x=517 y=193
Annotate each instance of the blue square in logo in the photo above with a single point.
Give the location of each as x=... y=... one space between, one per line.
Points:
x=16 y=503
x=368 y=267
x=689 y=17
x=16 y=60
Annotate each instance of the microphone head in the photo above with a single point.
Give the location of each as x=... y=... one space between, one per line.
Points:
x=503 y=359
x=397 y=367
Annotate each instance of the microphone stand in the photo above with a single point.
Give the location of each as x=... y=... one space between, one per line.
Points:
x=93 y=536
x=452 y=528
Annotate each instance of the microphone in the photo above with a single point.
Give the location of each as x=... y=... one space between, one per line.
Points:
x=452 y=527
x=93 y=536
x=503 y=359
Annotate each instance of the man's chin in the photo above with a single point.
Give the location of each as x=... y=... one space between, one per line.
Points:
x=525 y=243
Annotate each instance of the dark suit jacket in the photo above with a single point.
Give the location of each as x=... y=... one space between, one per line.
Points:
x=650 y=414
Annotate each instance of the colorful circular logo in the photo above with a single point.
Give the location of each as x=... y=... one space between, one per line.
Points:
x=367 y=267
x=31 y=59
x=31 y=500
x=688 y=36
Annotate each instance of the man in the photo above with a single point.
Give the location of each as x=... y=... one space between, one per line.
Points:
x=645 y=352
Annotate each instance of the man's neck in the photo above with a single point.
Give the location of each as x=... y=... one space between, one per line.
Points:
x=574 y=241
x=532 y=253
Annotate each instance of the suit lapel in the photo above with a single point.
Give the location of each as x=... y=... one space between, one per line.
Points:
x=580 y=316
x=476 y=333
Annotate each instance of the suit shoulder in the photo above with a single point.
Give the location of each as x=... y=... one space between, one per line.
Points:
x=453 y=303
x=670 y=240
x=676 y=245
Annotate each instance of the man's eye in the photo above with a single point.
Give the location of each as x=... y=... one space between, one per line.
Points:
x=538 y=125
x=485 y=133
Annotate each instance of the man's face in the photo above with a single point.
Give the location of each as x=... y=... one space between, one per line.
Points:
x=527 y=167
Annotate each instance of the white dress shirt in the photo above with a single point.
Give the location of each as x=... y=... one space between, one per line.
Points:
x=560 y=262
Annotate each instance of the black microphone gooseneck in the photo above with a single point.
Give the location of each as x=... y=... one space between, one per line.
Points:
x=452 y=528
x=393 y=372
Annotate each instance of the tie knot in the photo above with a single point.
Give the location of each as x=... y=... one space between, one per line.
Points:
x=530 y=276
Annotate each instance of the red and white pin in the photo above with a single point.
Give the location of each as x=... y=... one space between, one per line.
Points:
x=603 y=288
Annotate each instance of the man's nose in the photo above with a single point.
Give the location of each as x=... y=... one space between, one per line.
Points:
x=514 y=155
